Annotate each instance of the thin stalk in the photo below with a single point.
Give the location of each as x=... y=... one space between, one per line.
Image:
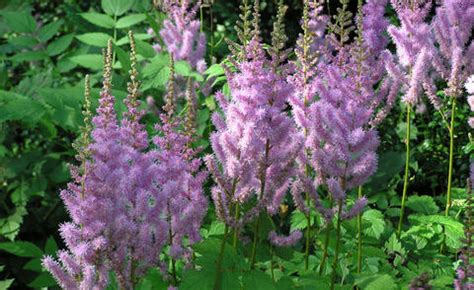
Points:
x=272 y=264
x=308 y=234
x=326 y=244
x=359 y=236
x=218 y=278
x=451 y=156
x=173 y=262
x=254 y=244
x=338 y=244
x=236 y=230
x=407 y=169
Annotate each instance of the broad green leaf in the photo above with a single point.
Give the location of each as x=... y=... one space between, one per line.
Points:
x=422 y=204
x=29 y=56
x=214 y=70
x=21 y=21
x=182 y=68
x=22 y=109
x=94 y=38
x=453 y=230
x=124 y=58
x=22 y=249
x=204 y=278
x=5 y=284
x=116 y=7
x=23 y=40
x=145 y=49
x=34 y=265
x=43 y=280
x=298 y=221
x=51 y=247
x=376 y=282
x=92 y=61
x=375 y=223
x=258 y=281
x=59 y=45
x=48 y=31
x=130 y=20
x=138 y=36
x=98 y=19
x=152 y=280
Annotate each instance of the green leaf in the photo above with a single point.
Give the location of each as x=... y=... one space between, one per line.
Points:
x=376 y=282
x=34 y=265
x=92 y=61
x=422 y=204
x=48 y=31
x=145 y=49
x=21 y=22
x=204 y=278
x=215 y=70
x=130 y=20
x=43 y=280
x=22 y=249
x=5 y=284
x=298 y=221
x=116 y=7
x=376 y=223
x=21 y=109
x=257 y=280
x=24 y=41
x=453 y=230
x=138 y=36
x=99 y=19
x=51 y=246
x=29 y=56
x=152 y=281
x=124 y=59
x=10 y=226
x=59 y=45
x=98 y=39
x=182 y=68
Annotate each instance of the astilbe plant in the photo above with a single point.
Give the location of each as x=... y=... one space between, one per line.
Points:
x=337 y=107
x=254 y=144
x=123 y=206
x=181 y=33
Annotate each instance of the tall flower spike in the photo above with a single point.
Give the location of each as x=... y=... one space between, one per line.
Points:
x=191 y=103
x=170 y=91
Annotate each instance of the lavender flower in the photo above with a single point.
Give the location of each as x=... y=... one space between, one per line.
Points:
x=181 y=33
x=284 y=241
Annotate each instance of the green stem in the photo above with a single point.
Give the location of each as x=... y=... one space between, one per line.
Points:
x=272 y=264
x=359 y=237
x=326 y=244
x=338 y=244
x=236 y=230
x=308 y=234
x=451 y=156
x=407 y=169
x=254 y=244
x=218 y=278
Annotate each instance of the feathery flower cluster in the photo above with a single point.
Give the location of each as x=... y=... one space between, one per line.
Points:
x=414 y=42
x=181 y=33
x=254 y=144
x=470 y=99
x=284 y=241
x=122 y=205
x=453 y=25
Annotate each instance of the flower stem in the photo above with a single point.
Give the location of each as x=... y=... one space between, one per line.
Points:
x=254 y=244
x=407 y=169
x=338 y=244
x=359 y=236
x=236 y=230
x=451 y=156
x=326 y=244
x=308 y=234
x=218 y=277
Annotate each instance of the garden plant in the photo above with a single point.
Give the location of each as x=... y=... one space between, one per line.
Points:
x=236 y=145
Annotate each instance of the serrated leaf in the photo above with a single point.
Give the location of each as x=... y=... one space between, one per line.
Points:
x=375 y=221
x=49 y=30
x=130 y=20
x=145 y=49
x=138 y=36
x=59 y=45
x=98 y=39
x=182 y=68
x=99 y=19
x=453 y=230
x=10 y=226
x=116 y=7
x=92 y=61
x=21 y=22
x=422 y=204
x=214 y=70
x=22 y=249
x=298 y=221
